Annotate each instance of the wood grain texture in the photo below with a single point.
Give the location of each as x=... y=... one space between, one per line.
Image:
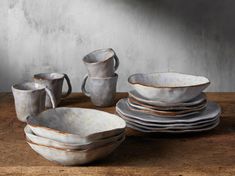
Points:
x=208 y=153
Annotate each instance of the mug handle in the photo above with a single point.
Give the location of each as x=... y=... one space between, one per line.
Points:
x=51 y=96
x=83 y=87
x=69 y=86
x=116 y=60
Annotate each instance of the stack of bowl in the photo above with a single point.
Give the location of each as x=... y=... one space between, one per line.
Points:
x=168 y=103
x=74 y=136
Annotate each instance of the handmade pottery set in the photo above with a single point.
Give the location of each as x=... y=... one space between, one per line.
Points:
x=101 y=66
x=160 y=102
x=168 y=103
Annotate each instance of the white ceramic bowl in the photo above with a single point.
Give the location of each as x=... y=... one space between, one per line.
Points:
x=74 y=157
x=76 y=125
x=52 y=143
x=168 y=87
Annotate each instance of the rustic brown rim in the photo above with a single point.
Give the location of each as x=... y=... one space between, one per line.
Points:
x=197 y=85
x=78 y=150
x=69 y=134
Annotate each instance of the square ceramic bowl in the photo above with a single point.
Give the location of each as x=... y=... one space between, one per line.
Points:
x=168 y=87
x=30 y=136
x=74 y=157
x=76 y=125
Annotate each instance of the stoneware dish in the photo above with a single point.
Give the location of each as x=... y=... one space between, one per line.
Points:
x=169 y=125
x=206 y=128
x=76 y=125
x=74 y=157
x=30 y=99
x=137 y=98
x=168 y=87
x=171 y=113
x=54 y=81
x=52 y=143
x=101 y=63
x=212 y=110
x=102 y=90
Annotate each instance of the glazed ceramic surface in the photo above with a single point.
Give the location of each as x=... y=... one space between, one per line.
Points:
x=101 y=63
x=194 y=102
x=52 y=143
x=102 y=90
x=30 y=99
x=168 y=87
x=206 y=128
x=165 y=113
x=76 y=125
x=167 y=125
x=53 y=81
x=141 y=105
x=74 y=157
x=212 y=110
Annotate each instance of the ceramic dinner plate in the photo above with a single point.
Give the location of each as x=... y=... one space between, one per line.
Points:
x=212 y=110
x=169 y=113
x=137 y=104
x=199 y=99
x=206 y=128
x=151 y=125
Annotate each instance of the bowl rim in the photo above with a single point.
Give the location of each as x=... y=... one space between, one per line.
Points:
x=153 y=86
x=72 y=134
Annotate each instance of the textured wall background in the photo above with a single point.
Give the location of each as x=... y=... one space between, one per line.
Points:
x=196 y=37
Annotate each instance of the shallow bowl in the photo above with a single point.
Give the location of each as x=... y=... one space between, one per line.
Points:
x=52 y=143
x=74 y=157
x=76 y=125
x=168 y=87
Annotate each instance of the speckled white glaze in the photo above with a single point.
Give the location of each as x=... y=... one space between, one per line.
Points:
x=100 y=63
x=30 y=98
x=54 y=82
x=168 y=87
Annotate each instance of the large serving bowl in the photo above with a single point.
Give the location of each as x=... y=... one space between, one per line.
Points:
x=168 y=87
x=74 y=157
x=76 y=125
x=30 y=136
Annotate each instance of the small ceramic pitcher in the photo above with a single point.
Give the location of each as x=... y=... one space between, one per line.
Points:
x=54 y=81
x=102 y=90
x=100 y=63
x=30 y=99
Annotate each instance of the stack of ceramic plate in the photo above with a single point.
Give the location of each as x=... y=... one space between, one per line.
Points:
x=74 y=136
x=168 y=103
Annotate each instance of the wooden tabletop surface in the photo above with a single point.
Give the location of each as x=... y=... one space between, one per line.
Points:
x=207 y=153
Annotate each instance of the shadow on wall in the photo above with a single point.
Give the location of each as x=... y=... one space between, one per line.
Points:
x=207 y=25
x=212 y=19
x=195 y=37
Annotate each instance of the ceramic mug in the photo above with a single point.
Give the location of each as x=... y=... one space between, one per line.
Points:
x=53 y=81
x=100 y=63
x=102 y=90
x=30 y=99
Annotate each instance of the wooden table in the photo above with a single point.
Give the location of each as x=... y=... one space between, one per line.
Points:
x=208 y=153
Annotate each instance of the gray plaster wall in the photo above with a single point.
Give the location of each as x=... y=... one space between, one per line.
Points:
x=195 y=37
